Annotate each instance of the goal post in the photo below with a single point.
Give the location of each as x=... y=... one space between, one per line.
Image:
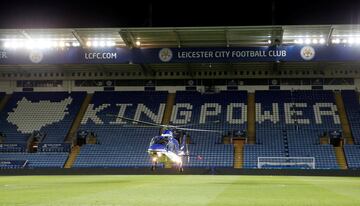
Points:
x=286 y=163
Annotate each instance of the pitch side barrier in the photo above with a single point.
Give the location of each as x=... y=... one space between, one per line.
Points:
x=187 y=171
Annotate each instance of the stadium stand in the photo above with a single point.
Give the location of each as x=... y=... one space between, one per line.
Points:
x=352 y=153
x=52 y=113
x=38 y=160
x=351 y=101
x=120 y=144
x=223 y=111
x=290 y=123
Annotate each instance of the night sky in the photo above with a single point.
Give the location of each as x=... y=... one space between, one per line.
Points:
x=58 y=14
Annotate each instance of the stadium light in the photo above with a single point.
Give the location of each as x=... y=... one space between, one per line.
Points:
x=99 y=43
x=315 y=40
x=110 y=43
x=351 y=40
x=37 y=43
x=299 y=41
x=54 y=44
x=43 y=44
x=95 y=43
x=30 y=44
x=138 y=43
x=6 y=44
x=61 y=44
x=335 y=41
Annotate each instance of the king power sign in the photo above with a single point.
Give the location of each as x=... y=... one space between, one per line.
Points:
x=231 y=113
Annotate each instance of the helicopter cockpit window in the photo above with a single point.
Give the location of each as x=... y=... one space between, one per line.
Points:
x=159 y=140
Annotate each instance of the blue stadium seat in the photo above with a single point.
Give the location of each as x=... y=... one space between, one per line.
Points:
x=38 y=160
x=121 y=144
x=279 y=135
x=49 y=112
x=207 y=150
x=352 y=107
x=352 y=153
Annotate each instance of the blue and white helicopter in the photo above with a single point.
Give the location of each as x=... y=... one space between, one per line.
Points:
x=166 y=147
x=170 y=145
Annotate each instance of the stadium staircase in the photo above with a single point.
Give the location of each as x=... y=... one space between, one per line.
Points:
x=251 y=118
x=75 y=150
x=4 y=101
x=239 y=152
x=76 y=124
x=340 y=158
x=167 y=116
x=72 y=156
x=343 y=118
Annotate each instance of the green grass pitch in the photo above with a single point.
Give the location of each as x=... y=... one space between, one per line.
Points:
x=181 y=190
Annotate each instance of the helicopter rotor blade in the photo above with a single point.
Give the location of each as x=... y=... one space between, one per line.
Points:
x=134 y=120
x=187 y=125
x=163 y=126
x=198 y=130
x=138 y=126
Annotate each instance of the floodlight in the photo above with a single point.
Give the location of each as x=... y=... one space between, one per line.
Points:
x=95 y=43
x=61 y=44
x=335 y=41
x=110 y=43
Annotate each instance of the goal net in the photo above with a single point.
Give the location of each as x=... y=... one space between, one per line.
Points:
x=286 y=162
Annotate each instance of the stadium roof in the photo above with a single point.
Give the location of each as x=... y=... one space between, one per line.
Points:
x=229 y=36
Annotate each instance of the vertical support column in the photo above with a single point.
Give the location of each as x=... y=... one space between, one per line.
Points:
x=251 y=118
x=168 y=108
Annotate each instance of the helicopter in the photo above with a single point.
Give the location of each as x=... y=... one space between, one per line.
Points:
x=170 y=145
x=166 y=147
